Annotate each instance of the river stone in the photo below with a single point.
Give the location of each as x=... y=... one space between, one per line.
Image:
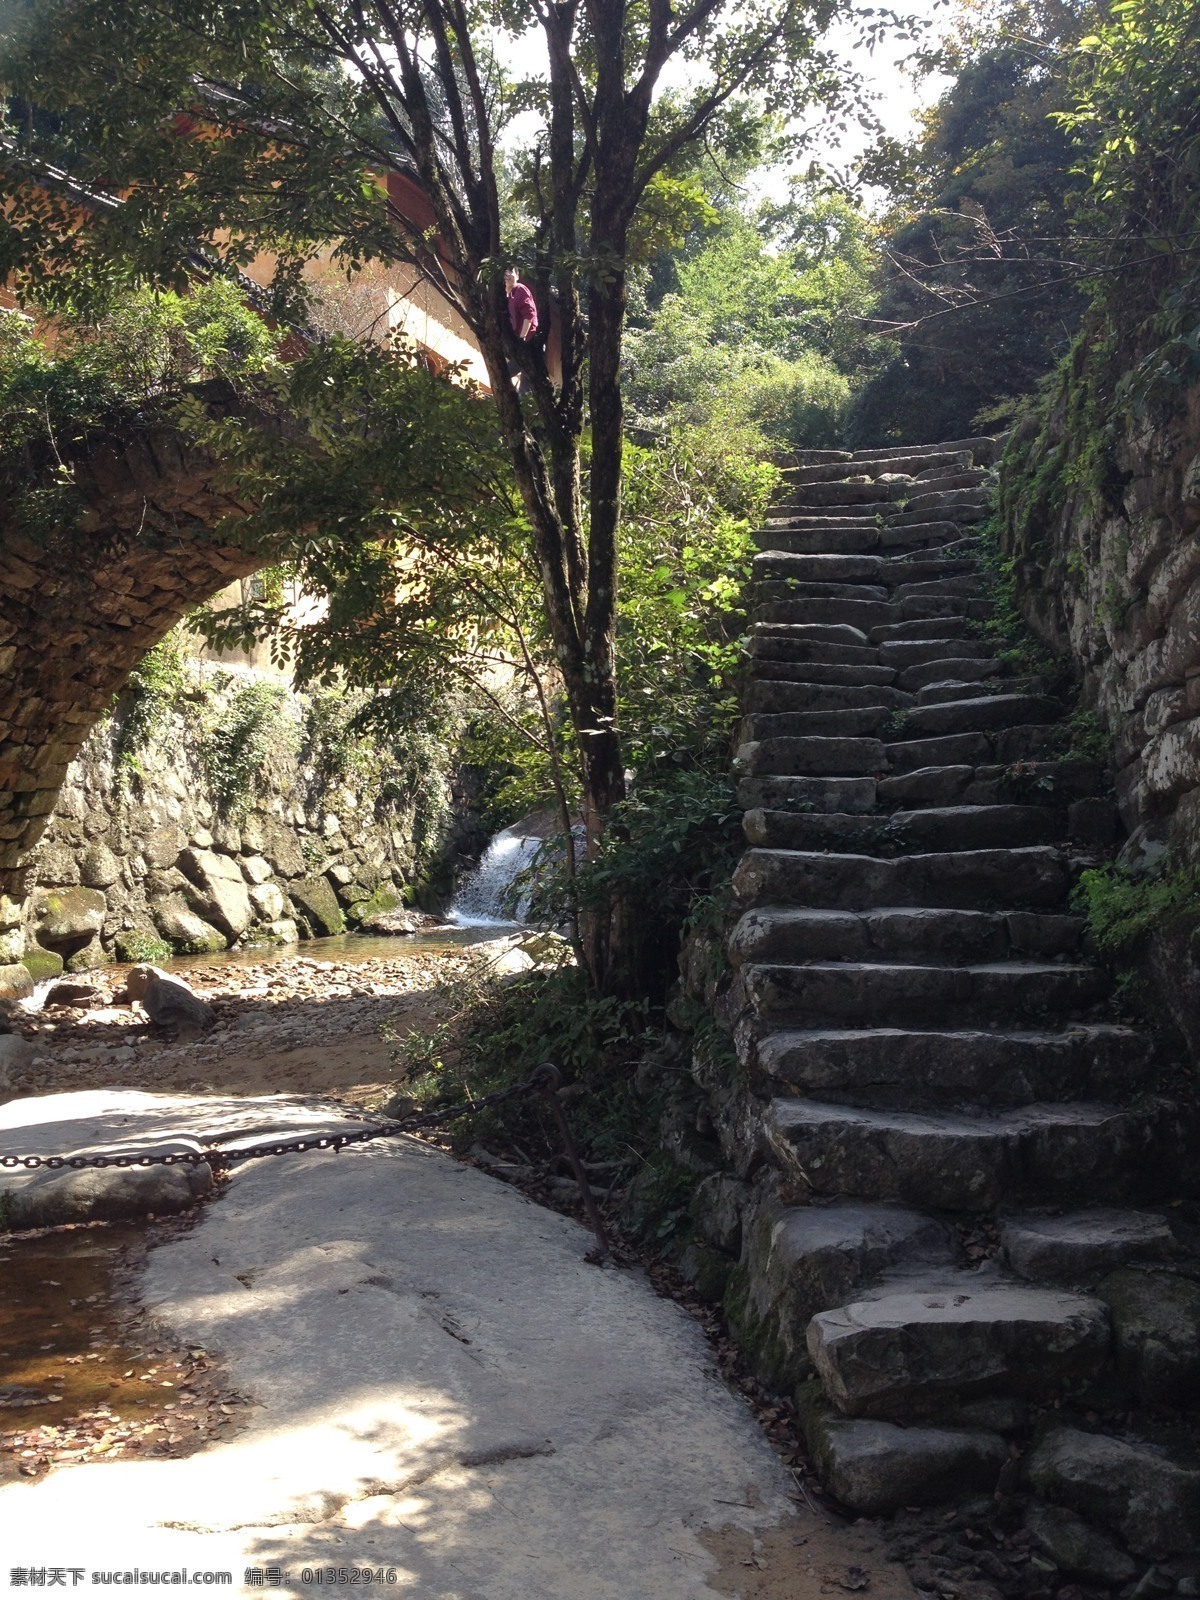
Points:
x=99 y=867
x=167 y=1000
x=1076 y=1547
x=393 y=922
x=184 y=931
x=1152 y=1501
x=318 y=903
x=876 y=1467
x=42 y=964
x=66 y=919
x=15 y=982
x=1156 y=1330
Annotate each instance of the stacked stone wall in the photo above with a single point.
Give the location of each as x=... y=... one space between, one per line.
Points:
x=145 y=851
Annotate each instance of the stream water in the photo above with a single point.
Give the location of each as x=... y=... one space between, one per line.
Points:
x=61 y=1352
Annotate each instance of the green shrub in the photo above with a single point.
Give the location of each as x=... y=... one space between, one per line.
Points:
x=141 y=948
x=241 y=736
x=1124 y=910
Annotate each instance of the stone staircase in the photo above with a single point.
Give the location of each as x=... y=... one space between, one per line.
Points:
x=953 y=1173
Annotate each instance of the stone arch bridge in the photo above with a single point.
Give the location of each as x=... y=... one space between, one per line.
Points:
x=80 y=607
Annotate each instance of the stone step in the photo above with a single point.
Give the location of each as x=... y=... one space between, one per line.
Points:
x=810 y=536
x=814 y=794
x=957 y=465
x=765 y=590
x=959 y=670
x=1081 y=1247
x=818 y=633
x=999 y=747
x=1034 y=879
x=768 y=669
x=861 y=721
x=964 y=513
x=948 y=481
x=803 y=1259
x=768 y=644
x=876 y=1467
x=1049 y=782
x=979 y=715
x=908 y=832
x=778 y=694
x=903 y=1069
x=858 y=613
x=787 y=566
x=783 y=934
x=904 y=995
x=984 y=450
x=919 y=1350
x=929 y=628
x=934 y=498
x=809 y=497
x=1038 y=1154
x=812 y=757
x=908 y=652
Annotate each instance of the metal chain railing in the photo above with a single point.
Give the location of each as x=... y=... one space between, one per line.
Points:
x=545 y=1080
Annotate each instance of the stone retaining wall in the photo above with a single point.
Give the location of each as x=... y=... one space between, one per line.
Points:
x=132 y=856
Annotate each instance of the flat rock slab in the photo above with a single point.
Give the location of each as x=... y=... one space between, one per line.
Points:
x=444 y=1386
x=126 y=1123
x=1082 y=1245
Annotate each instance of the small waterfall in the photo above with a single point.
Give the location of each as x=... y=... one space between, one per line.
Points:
x=483 y=899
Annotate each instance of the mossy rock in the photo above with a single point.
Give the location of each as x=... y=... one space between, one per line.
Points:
x=42 y=964
x=380 y=900
x=316 y=900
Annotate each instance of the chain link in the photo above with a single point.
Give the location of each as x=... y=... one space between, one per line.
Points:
x=545 y=1079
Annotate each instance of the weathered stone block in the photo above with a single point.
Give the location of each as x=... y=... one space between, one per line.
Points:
x=220 y=890
x=99 y=867
x=1156 y=1331
x=184 y=931
x=15 y=981
x=319 y=905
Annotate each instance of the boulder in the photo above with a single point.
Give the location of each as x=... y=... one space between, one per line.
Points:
x=16 y=1054
x=15 y=982
x=1075 y=1547
x=220 y=893
x=167 y=1000
x=56 y=865
x=99 y=867
x=81 y=995
x=42 y=964
x=318 y=904
x=184 y=931
x=67 y=919
x=1133 y=1487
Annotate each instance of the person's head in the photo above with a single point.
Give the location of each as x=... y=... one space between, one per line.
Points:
x=511 y=278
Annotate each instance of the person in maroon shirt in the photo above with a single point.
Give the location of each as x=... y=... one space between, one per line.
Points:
x=522 y=307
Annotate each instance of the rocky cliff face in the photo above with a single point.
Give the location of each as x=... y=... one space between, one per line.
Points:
x=1101 y=518
x=152 y=853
